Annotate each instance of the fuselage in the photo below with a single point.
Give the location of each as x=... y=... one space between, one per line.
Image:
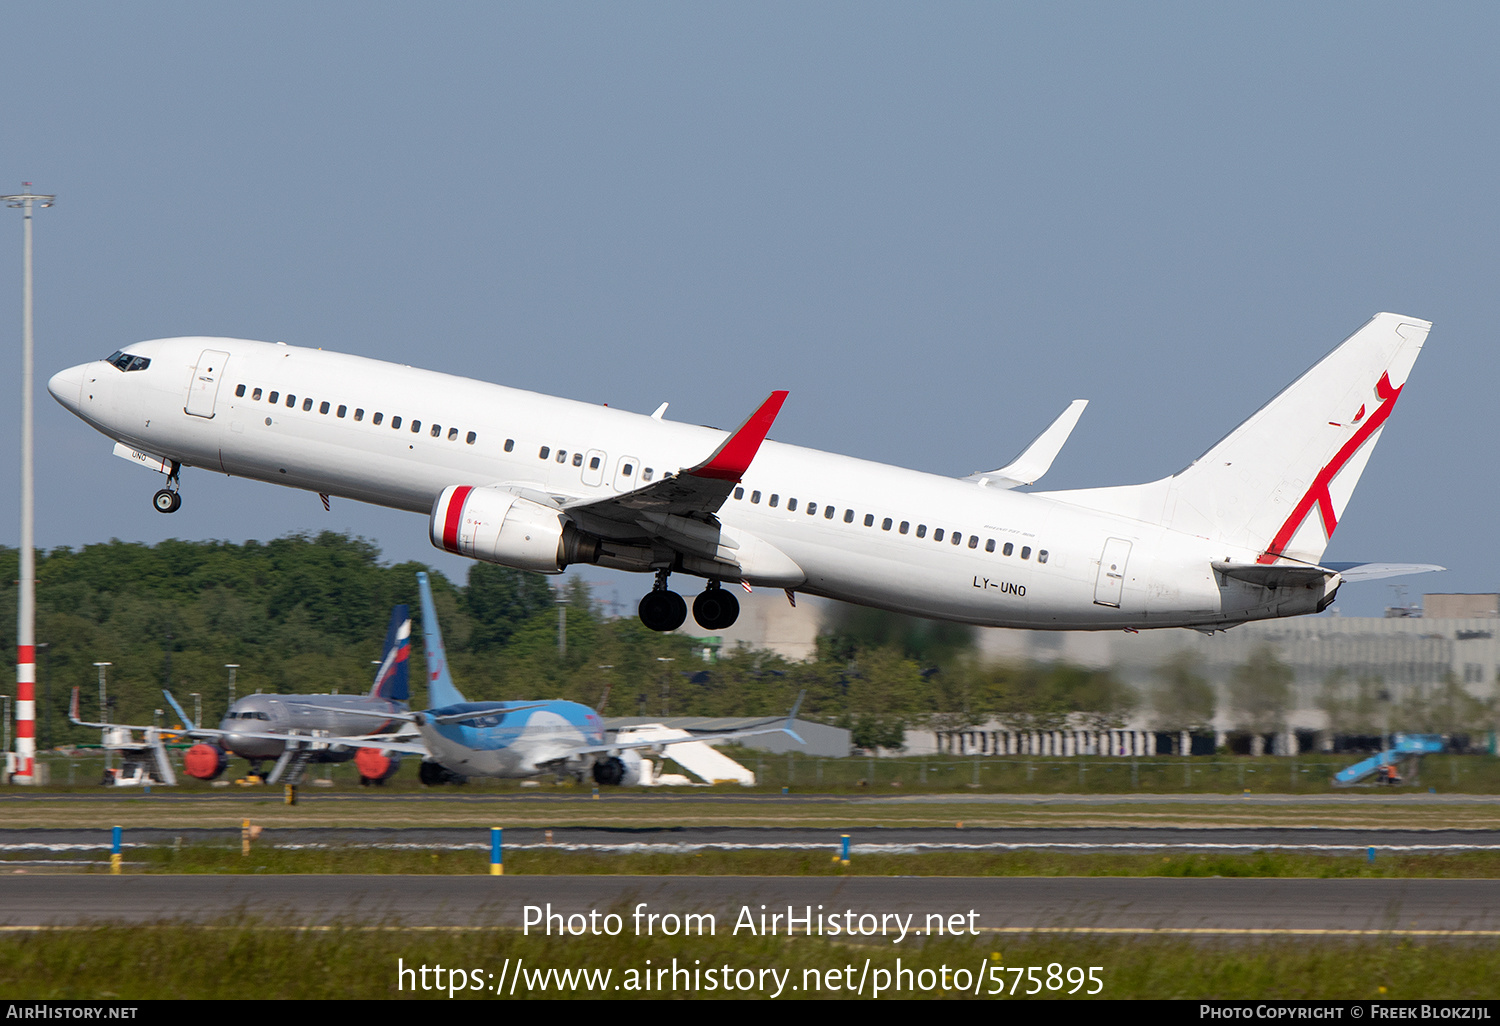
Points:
x=856 y=530
x=314 y=715
x=509 y=742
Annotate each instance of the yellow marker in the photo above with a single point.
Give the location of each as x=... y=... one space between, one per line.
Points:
x=245 y=838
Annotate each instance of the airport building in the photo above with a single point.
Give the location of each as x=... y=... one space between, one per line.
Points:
x=1352 y=677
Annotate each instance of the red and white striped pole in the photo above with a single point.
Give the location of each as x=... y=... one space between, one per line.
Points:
x=25 y=760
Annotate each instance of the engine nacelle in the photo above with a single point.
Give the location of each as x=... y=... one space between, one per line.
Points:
x=621 y=770
x=499 y=526
x=375 y=766
x=205 y=761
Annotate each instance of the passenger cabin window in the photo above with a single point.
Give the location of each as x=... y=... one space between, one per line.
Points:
x=1009 y=548
x=510 y=443
x=307 y=406
x=791 y=505
x=240 y=391
x=341 y=411
x=646 y=474
x=594 y=463
x=755 y=496
x=562 y=455
x=973 y=541
x=416 y=427
x=291 y=402
x=828 y=512
x=273 y=397
x=544 y=453
x=848 y=516
x=376 y=419
x=989 y=546
x=578 y=459
x=395 y=423
x=812 y=508
x=905 y=526
x=775 y=499
x=885 y=525
x=359 y=414
x=739 y=493
x=324 y=408
x=869 y=519
x=937 y=534
x=1025 y=551
x=1041 y=555
x=255 y=395
x=437 y=431
x=957 y=538
x=474 y=438
x=921 y=530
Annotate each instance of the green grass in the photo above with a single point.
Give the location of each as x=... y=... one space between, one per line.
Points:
x=1013 y=774
x=535 y=862
x=248 y=960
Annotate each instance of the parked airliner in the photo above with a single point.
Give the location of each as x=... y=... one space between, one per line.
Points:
x=539 y=483
x=289 y=728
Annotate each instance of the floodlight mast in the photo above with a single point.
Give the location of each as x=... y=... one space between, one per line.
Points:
x=25 y=756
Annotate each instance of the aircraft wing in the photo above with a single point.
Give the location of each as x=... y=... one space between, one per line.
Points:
x=783 y=727
x=696 y=491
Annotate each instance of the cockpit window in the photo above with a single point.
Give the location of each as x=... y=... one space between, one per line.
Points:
x=126 y=362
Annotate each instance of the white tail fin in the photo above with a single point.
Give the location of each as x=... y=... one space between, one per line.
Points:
x=1279 y=482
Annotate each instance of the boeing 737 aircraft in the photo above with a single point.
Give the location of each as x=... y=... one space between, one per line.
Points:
x=539 y=483
x=290 y=728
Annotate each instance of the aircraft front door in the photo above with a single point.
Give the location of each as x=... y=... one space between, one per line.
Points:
x=204 y=389
x=1111 y=580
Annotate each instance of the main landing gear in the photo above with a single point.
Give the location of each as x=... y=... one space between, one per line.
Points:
x=167 y=500
x=664 y=610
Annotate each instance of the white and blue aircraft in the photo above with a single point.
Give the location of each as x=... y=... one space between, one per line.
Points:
x=458 y=738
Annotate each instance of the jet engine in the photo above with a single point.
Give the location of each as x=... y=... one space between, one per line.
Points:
x=621 y=770
x=205 y=761
x=375 y=766
x=499 y=526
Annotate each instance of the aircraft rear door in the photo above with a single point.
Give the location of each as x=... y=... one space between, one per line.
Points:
x=204 y=389
x=1111 y=580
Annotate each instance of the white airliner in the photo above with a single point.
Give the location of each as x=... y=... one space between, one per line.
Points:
x=539 y=483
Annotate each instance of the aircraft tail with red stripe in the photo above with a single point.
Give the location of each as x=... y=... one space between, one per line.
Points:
x=1279 y=482
x=392 y=678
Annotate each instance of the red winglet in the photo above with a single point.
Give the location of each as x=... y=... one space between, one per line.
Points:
x=730 y=460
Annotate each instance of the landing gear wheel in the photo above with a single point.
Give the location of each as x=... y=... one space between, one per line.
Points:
x=716 y=609
x=663 y=611
x=166 y=501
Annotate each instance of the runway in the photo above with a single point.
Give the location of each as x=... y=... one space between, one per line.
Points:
x=38 y=843
x=1198 y=906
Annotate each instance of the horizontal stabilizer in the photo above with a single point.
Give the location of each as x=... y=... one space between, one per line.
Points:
x=1036 y=459
x=1376 y=571
x=1288 y=575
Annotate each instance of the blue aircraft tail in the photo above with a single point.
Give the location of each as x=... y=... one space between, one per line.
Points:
x=393 y=679
x=440 y=689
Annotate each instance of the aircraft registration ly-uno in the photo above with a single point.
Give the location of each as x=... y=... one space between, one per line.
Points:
x=538 y=483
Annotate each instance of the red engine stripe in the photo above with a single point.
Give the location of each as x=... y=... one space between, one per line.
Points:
x=454 y=516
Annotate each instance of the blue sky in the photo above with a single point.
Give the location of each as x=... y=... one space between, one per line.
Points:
x=934 y=223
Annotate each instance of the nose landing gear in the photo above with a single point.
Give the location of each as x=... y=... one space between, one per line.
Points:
x=167 y=500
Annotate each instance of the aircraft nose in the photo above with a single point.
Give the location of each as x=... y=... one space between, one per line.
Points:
x=66 y=387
